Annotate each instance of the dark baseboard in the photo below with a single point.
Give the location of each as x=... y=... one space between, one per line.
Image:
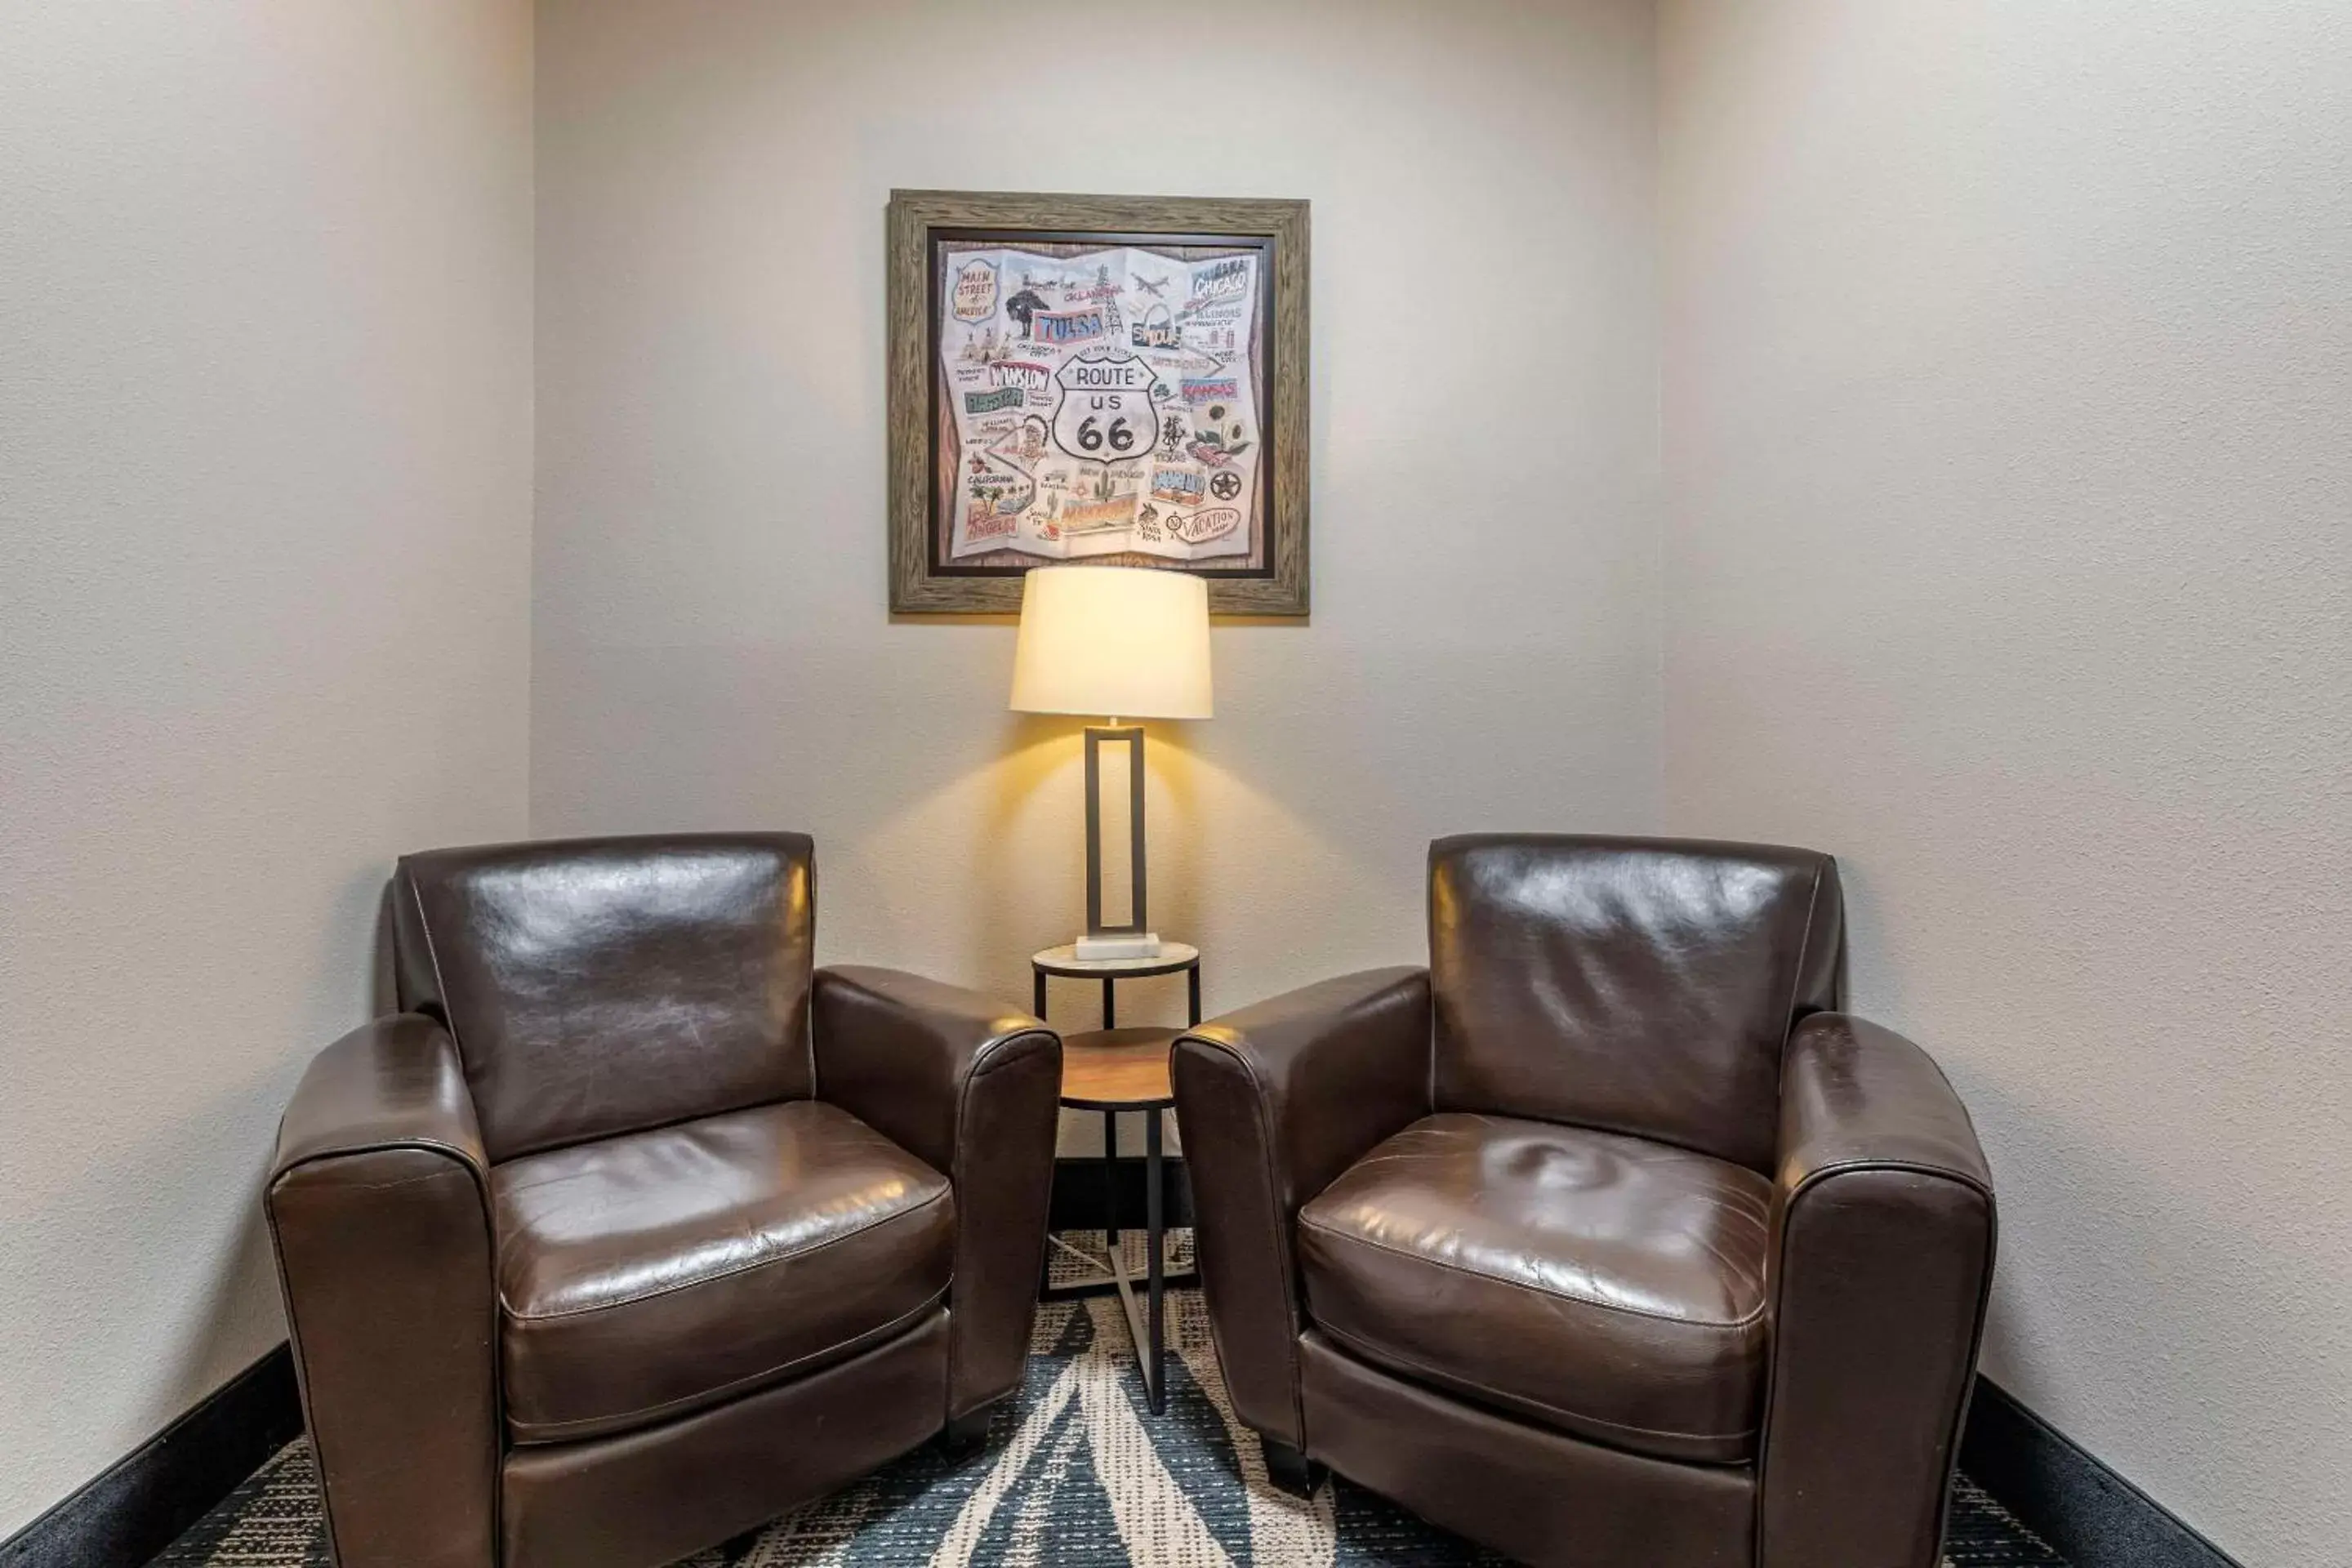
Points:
x=2089 y=1515
x=145 y=1501
x=1079 y=1190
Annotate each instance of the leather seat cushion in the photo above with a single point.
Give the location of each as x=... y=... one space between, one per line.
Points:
x=643 y=1276
x=1605 y=1285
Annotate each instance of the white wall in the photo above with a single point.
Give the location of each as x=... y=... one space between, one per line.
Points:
x=265 y=497
x=2009 y=443
x=2006 y=359
x=711 y=641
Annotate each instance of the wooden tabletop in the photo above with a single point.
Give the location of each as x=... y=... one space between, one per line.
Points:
x=1117 y=1068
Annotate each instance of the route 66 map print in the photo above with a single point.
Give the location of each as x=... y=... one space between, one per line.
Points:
x=1117 y=380
x=1099 y=400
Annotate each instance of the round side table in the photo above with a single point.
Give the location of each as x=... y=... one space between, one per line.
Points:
x=1114 y=1071
x=1063 y=962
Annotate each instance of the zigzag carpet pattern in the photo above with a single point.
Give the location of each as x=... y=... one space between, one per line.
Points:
x=1076 y=1473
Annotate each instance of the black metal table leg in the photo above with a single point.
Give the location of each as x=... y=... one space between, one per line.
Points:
x=1193 y=995
x=1110 y=1005
x=1110 y=1182
x=1155 y=1374
x=1038 y=1007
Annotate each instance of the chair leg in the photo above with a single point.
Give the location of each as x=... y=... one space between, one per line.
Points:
x=1289 y=1469
x=964 y=1434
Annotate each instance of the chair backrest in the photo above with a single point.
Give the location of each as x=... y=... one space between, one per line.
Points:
x=1638 y=985
x=601 y=985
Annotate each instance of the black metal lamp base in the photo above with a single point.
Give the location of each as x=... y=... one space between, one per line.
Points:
x=1097 y=737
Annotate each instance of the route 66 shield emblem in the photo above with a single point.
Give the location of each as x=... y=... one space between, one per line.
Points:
x=1106 y=411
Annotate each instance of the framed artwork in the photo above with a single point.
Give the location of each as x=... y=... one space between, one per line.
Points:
x=1120 y=380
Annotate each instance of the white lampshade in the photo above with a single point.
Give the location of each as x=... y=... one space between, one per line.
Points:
x=1129 y=642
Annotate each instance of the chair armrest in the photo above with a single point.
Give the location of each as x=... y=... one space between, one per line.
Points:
x=1884 y=1235
x=394 y=1083
x=1273 y=1102
x=902 y=1052
x=377 y=1202
x=973 y=1089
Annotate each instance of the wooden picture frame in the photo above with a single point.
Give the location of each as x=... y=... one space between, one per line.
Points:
x=1230 y=491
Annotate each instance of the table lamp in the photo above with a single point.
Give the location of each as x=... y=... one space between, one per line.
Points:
x=1123 y=642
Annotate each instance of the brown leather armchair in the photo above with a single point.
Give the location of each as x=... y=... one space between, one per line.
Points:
x=1605 y=1240
x=631 y=1231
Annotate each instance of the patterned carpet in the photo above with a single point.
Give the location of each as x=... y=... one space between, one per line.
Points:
x=1077 y=1474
